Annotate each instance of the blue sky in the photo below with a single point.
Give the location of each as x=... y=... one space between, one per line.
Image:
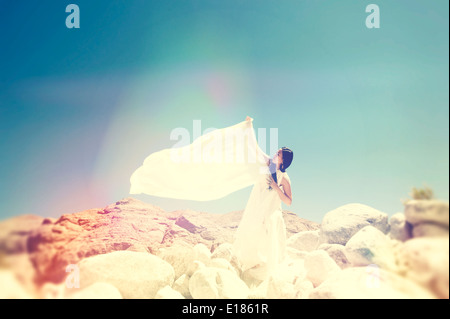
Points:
x=364 y=110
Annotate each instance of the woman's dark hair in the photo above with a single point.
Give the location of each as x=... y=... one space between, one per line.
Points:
x=288 y=155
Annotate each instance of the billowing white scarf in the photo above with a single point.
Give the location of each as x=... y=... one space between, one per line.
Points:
x=214 y=165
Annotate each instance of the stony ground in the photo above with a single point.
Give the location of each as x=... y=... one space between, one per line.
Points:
x=131 y=249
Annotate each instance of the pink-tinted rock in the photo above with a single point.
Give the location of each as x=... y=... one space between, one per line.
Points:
x=132 y=225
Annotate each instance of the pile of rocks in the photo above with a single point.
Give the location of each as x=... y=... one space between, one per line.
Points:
x=387 y=258
x=356 y=252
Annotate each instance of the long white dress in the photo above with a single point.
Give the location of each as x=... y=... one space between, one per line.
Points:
x=261 y=235
x=260 y=241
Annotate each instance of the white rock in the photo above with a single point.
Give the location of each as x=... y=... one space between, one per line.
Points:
x=186 y=259
x=319 y=266
x=368 y=283
x=223 y=263
x=259 y=291
x=303 y=289
x=426 y=261
x=195 y=266
x=202 y=253
x=305 y=240
x=217 y=283
x=201 y=256
x=181 y=257
x=135 y=274
x=10 y=287
x=284 y=282
x=182 y=286
x=278 y=288
x=339 y=225
x=168 y=292
x=337 y=253
x=371 y=246
x=98 y=290
x=224 y=251
x=254 y=276
x=399 y=228
x=291 y=270
x=432 y=211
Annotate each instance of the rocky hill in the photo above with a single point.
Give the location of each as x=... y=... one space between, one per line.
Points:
x=132 y=249
x=129 y=224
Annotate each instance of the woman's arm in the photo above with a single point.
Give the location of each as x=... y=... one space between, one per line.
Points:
x=286 y=195
x=266 y=158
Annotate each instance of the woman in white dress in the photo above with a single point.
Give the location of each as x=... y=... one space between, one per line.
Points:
x=260 y=238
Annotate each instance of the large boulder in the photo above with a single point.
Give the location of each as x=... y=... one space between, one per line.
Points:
x=339 y=225
x=181 y=257
x=135 y=274
x=429 y=218
x=370 y=246
x=217 y=283
x=432 y=211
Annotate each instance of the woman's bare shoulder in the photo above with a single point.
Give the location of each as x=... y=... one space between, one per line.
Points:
x=286 y=180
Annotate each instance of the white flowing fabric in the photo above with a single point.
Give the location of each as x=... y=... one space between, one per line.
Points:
x=261 y=236
x=211 y=168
